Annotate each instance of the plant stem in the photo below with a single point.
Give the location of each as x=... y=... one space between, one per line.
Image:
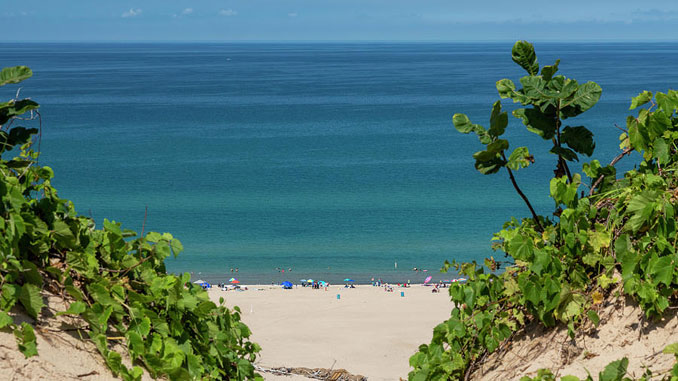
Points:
x=612 y=163
x=520 y=192
x=562 y=161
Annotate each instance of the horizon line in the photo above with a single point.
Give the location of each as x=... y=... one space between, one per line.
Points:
x=593 y=41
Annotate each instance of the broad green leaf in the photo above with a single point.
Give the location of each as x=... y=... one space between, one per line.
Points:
x=661 y=270
x=565 y=153
x=9 y=296
x=30 y=298
x=537 y=122
x=579 y=139
x=593 y=316
x=14 y=74
x=462 y=123
x=5 y=319
x=587 y=96
x=614 y=371
x=498 y=120
x=548 y=71
x=26 y=340
x=661 y=150
x=76 y=308
x=535 y=89
x=640 y=99
x=498 y=146
x=488 y=167
x=523 y=54
x=521 y=248
x=12 y=109
x=507 y=89
x=519 y=158
x=671 y=349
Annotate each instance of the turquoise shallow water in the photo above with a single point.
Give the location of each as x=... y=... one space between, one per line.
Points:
x=335 y=160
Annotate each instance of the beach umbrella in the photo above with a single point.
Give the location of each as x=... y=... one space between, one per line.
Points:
x=199 y=281
x=286 y=284
x=235 y=281
x=302 y=280
x=232 y=279
x=322 y=282
x=428 y=279
x=348 y=280
x=309 y=280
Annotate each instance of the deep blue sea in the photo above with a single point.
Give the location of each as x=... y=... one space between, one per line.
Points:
x=335 y=160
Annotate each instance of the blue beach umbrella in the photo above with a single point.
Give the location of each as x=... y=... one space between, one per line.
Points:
x=286 y=284
x=348 y=280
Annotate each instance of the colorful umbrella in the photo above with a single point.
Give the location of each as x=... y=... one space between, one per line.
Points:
x=235 y=281
x=309 y=280
x=232 y=279
x=348 y=280
x=428 y=279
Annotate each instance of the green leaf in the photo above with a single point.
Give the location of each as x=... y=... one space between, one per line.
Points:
x=14 y=74
x=13 y=108
x=614 y=371
x=5 y=319
x=565 y=153
x=462 y=123
x=579 y=139
x=587 y=96
x=30 y=298
x=76 y=308
x=537 y=122
x=520 y=158
x=488 y=167
x=671 y=349
x=640 y=99
x=661 y=150
x=521 y=248
x=507 y=89
x=548 y=71
x=498 y=120
x=593 y=316
x=661 y=270
x=20 y=135
x=26 y=340
x=523 y=54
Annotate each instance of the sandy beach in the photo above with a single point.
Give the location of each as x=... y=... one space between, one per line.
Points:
x=367 y=331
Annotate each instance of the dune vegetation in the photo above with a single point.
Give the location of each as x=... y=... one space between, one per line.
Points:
x=114 y=280
x=609 y=236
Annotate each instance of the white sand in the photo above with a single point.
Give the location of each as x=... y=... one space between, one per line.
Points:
x=368 y=331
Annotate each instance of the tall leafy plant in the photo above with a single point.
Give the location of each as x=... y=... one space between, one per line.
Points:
x=550 y=99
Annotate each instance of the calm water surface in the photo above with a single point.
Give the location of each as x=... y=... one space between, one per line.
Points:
x=335 y=160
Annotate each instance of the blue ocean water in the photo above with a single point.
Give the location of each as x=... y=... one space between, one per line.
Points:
x=335 y=160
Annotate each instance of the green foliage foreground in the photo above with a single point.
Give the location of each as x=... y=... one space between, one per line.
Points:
x=116 y=283
x=623 y=231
